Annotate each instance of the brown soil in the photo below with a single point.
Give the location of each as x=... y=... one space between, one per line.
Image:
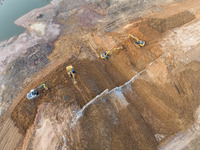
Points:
x=158 y=100
x=177 y=20
x=91 y=82
x=94 y=76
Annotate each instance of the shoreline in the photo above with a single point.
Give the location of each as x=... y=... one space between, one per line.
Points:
x=10 y=49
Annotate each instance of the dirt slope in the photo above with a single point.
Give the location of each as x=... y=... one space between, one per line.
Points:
x=137 y=99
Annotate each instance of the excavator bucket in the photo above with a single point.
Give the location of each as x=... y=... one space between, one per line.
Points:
x=45 y=87
x=121 y=47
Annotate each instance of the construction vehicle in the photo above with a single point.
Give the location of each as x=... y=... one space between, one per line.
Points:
x=105 y=55
x=138 y=42
x=71 y=72
x=34 y=92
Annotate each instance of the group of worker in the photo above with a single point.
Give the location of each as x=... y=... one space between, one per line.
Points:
x=71 y=72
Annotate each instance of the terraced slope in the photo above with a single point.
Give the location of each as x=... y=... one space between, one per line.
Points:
x=138 y=99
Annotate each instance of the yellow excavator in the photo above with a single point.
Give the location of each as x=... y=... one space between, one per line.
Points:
x=105 y=55
x=34 y=92
x=71 y=72
x=138 y=42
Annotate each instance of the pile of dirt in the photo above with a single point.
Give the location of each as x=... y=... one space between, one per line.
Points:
x=177 y=20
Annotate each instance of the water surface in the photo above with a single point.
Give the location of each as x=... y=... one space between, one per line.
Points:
x=11 y=10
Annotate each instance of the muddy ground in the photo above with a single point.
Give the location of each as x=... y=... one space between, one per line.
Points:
x=157 y=87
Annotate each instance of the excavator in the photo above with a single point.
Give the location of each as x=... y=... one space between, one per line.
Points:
x=71 y=72
x=105 y=55
x=34 y=92
x=138 y=42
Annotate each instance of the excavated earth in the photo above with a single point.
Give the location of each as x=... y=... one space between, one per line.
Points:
x=139 y=99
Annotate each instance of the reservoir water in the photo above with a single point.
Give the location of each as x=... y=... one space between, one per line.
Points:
x=11 y=10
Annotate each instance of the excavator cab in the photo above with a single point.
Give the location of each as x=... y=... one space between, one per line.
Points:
x=71 y=72
x=34 y=92
x=138 y=42
x=105 y=55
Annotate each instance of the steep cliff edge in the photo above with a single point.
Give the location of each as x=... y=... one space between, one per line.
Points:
x=138 y=99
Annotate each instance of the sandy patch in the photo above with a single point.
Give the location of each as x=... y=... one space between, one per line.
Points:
x=39 y=28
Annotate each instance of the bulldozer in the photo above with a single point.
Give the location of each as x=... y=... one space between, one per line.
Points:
x=138 y=42
x=71 y=72
x=34 y=92
x=105 y=55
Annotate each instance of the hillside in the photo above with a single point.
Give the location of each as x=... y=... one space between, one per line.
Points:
x=141 y=98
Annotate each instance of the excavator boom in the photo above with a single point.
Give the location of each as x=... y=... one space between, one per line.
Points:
x=130 y=35
x=40 y=86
